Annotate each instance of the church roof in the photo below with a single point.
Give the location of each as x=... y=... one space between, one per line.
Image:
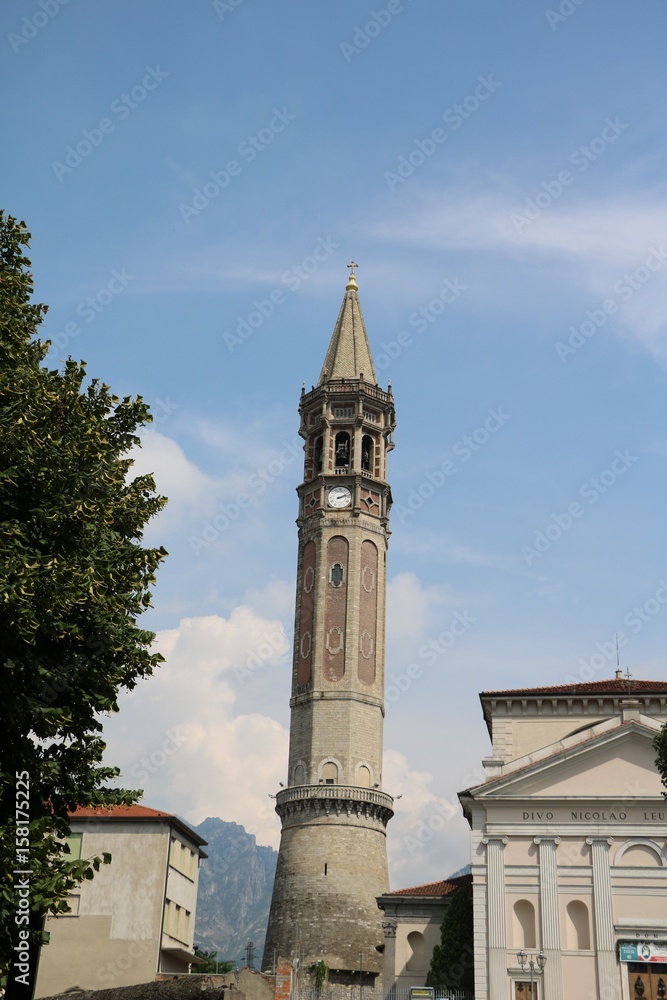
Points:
x=612 y=686
x=349 y=353
x=444 y=888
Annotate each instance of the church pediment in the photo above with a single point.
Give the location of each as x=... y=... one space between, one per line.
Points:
x=622 y=757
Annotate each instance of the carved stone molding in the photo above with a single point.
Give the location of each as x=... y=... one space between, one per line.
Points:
x=306 y=802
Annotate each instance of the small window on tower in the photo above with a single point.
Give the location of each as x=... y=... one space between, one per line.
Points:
x=336 y=575
x=330 y=773
x=367 y=453
x=342 y=450
x=317 y=455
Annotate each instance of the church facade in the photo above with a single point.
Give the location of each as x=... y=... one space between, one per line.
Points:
x=332 y=861
x=569 y=856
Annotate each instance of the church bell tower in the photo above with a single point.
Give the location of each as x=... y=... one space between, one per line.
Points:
x=332 y=861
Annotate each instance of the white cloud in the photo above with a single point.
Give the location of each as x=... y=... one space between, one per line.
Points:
x=276 y=599
x=419 y=541
x=616 y=229
x=203 y=506
x=179 y=738
x=188 y=489
x=410 y=607
x=602 y=241
x=428 y=838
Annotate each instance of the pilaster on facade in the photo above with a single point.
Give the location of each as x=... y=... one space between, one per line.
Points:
x=604 y=916
x=389 y=959
x=479 y=909
x=497 y=931
x=552 y=977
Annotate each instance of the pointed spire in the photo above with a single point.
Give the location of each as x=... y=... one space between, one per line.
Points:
x=349 y=354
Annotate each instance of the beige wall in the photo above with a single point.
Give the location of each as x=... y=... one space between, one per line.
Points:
x=409 y=971
x=181 y=892
x=115 y=938
x=520 y=725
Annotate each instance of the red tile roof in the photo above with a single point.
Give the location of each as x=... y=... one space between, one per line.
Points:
x=444 y=888
x=611 y=686
x=124 y=812
x=115 y=814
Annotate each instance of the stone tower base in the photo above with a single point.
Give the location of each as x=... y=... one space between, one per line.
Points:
x=332 y=865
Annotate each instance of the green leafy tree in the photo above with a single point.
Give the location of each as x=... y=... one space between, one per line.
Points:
x=660 y=747
x=452 y=965
x=211 y=962
x=74 y=578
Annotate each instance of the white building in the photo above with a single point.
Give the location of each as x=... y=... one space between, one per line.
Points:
x=568 y=843
x=136 y=917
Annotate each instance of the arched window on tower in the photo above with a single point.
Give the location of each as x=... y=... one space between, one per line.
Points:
x=342 y=450
x=330 y=773
x=317 y=455
x=415 y=961
x=367 y=453
x=363 y=776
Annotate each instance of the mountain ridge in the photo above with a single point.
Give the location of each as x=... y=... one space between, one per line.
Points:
x=235 y=886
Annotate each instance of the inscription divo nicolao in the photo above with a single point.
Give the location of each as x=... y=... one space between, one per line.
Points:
x=595 y=816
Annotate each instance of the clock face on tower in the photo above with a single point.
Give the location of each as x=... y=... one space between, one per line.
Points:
x=340 y=496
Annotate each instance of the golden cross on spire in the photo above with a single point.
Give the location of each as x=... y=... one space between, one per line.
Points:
x=352 y=281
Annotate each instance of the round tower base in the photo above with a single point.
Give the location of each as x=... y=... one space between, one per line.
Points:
x=324 y=908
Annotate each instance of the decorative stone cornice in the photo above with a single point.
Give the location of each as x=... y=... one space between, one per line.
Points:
x=305 y=694
x=564 y=704
x=307 y=802
x=346 y=386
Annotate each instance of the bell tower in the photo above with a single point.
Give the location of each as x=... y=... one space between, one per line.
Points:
x=332 y=861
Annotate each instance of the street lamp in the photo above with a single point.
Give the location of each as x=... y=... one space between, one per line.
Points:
x=534 y=962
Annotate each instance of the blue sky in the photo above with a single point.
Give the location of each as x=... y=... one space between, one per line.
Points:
x=196 y=177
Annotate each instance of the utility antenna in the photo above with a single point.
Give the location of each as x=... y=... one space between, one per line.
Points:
x=250 y=955
x=619 y=673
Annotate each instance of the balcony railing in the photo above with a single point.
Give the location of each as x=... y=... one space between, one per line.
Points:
x=348 y=386
x=357 y=794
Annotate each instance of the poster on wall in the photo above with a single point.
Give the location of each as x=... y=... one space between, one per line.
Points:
x=643 y=951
